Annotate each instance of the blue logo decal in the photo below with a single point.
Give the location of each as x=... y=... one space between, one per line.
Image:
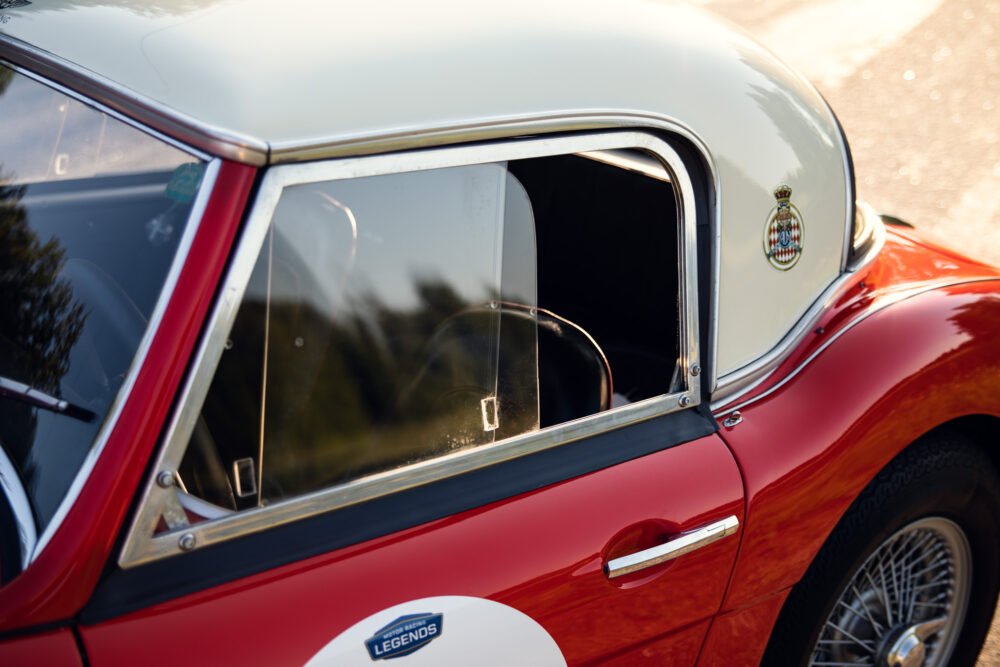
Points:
x=404 y=636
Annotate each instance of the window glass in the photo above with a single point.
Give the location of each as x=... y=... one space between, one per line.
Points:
x=91 y=213
x=395 y=319
x=369 y=336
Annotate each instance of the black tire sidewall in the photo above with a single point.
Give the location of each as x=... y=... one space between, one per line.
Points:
x=942 y=475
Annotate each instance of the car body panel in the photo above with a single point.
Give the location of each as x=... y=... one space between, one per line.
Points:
x=888 y=376
x=541 y=553
x=55 y=647
x=740 y=637
x=634 y=64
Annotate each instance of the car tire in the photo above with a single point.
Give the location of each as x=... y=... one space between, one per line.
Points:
x=931 y=519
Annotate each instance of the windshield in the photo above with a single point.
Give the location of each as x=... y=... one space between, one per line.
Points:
x=91 y=214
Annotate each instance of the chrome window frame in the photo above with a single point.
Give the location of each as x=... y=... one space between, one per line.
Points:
x=212 y=165
x=159 y=494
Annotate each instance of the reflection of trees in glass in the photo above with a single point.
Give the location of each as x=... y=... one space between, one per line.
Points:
x=39 y=321
x=377 y=388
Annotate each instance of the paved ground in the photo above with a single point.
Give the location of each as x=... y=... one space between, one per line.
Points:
x=916 y=84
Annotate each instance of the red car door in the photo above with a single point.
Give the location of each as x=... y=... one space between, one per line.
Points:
x=541 y=554
x=423 y=425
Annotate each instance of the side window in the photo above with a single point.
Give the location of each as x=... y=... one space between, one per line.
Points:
x=377 y=331
x=403 y=320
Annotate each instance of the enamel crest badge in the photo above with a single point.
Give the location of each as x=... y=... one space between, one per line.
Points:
x=783 y=232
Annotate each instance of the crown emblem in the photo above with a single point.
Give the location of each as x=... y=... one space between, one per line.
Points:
x=783 y=232
x=782 y=193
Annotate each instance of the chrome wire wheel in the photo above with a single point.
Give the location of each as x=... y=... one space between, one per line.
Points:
x=905 y=605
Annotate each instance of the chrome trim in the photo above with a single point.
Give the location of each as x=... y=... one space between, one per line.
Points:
x=10 y=484
x=737 y=383
x=630 y=161
x=482 y=129
x=141 y=543
x=870 y=244
x=850 y=193
x=685 y=544
x=733 y=420
x=103 y=108
x=183 y=247
x=148 y=112
x=882 y=304
x=200 y=507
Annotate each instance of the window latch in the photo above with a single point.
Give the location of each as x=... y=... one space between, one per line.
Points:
x=491 y=413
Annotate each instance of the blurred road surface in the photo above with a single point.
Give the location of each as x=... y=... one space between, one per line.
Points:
x=916 y=85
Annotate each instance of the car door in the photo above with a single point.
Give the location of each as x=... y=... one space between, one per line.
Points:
x=446 y=409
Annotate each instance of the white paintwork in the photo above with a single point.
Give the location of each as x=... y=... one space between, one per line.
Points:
x=474 y=631
x=302 y=73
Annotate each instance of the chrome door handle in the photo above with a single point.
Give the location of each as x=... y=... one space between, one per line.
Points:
x=684 y=544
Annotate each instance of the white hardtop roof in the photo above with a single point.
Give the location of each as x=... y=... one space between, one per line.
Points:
x=264 y=81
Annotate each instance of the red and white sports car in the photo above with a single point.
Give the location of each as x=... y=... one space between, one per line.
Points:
x=529 y=333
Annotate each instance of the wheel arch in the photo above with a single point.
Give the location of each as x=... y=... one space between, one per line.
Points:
x=977 y=434
x=982 y=429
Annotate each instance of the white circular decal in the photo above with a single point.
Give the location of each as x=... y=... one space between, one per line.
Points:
x=447 y=630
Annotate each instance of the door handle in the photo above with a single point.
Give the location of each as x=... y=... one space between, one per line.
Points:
x=685 y=544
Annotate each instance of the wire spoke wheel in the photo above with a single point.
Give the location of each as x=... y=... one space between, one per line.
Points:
x=905 y=605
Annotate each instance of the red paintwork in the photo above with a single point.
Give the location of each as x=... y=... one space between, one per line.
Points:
x=58 y=584
x=739 y=638
x=680 y=648
x=810 y=447
x=49 y=649
x=540 y=552
x=804 y=451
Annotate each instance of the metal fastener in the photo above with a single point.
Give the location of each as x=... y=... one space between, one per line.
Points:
x=733 y=419
x=165 y=479
x=696 y=370
x=685 y=401
x=187 y=542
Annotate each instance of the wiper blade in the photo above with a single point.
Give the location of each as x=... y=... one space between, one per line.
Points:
x=21 y=392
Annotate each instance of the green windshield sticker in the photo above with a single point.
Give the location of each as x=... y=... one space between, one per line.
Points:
x=184 y=182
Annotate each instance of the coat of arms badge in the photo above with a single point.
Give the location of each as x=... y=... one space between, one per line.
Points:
x=783 y=232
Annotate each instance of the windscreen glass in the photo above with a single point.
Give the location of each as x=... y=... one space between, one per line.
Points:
x=91 y=214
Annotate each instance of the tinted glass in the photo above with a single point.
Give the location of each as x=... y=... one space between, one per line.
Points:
x=91 y=212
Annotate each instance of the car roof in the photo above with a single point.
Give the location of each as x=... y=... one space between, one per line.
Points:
x=266 y=82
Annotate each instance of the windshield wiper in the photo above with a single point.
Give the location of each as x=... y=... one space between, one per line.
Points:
x=21 y=392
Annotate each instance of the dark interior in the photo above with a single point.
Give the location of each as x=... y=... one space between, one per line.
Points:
x=607 y=261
